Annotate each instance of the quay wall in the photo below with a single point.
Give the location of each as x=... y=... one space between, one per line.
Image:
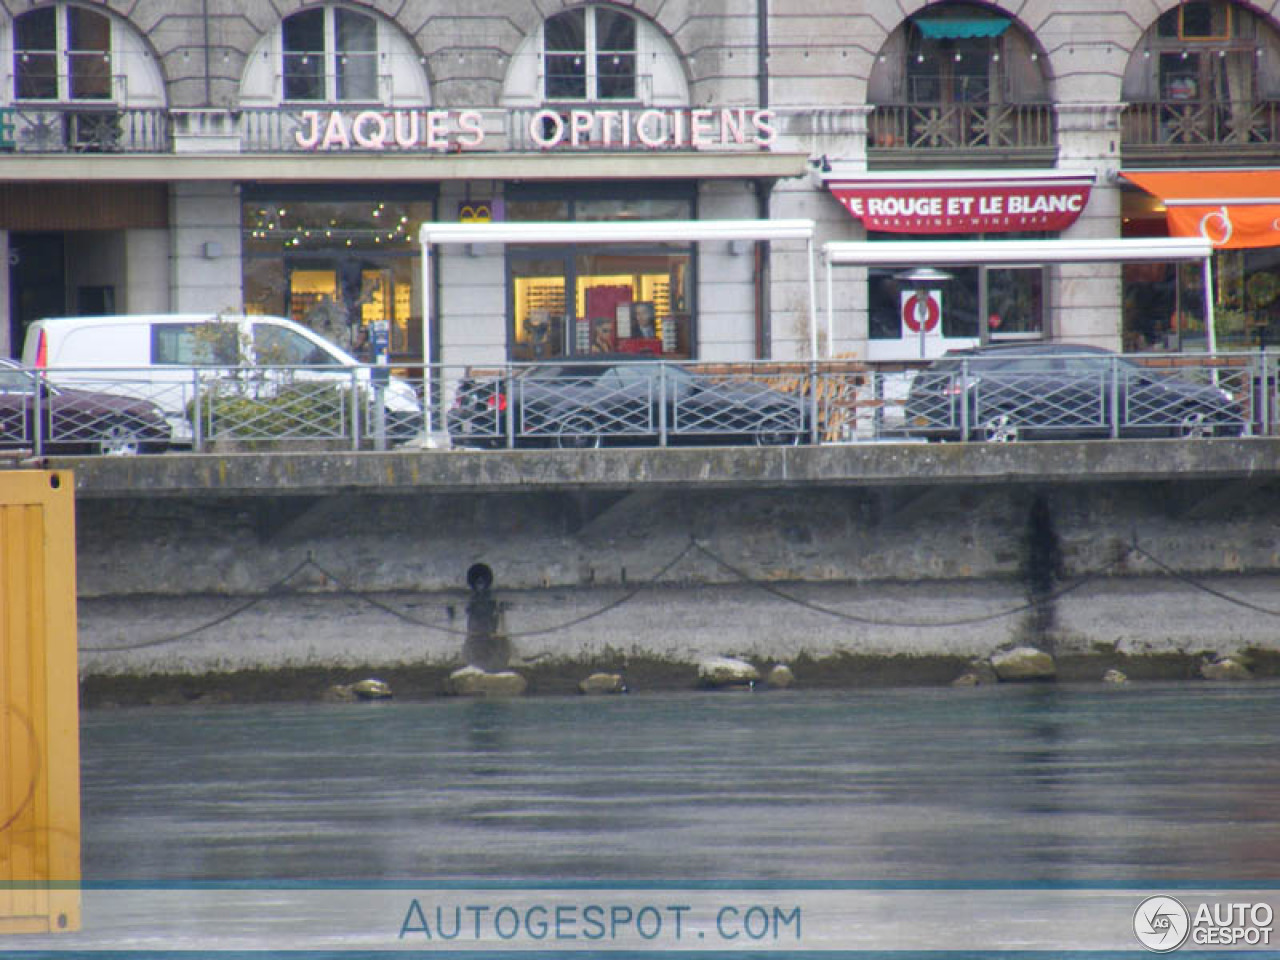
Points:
x=246 y=562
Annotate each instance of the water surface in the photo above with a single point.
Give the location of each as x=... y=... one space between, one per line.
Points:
x=1058 y=784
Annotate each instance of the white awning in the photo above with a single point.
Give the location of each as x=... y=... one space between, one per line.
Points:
x=994 y=253
x=612 y=231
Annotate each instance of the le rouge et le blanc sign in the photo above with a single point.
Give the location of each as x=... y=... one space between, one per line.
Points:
x=454 y=130
x=960 y=205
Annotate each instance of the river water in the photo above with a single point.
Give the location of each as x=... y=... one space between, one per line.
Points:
x=1058 y=784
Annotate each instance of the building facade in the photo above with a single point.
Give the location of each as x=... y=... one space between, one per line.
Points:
x=230 y=155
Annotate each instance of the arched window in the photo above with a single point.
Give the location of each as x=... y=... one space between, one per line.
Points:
x=77 y=37
x=590 y=54
x=330 y=54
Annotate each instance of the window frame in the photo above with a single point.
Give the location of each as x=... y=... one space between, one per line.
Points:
x=333 y=74
x=64 y=57
x=591 y=56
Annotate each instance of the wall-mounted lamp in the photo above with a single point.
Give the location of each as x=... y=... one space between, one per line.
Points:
x=211 y=250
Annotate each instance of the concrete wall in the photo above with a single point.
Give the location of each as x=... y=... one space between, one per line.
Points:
x=881 y=549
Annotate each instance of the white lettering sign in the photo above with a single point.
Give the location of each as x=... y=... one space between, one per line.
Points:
x=443 y=130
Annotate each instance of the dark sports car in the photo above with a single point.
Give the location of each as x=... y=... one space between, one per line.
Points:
x=75 y=421
x=1062 y=391
x=607 y=401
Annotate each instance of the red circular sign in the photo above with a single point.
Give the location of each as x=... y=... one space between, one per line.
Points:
x=917 y=304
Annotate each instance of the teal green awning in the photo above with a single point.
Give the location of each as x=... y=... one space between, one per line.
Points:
x=962 y=29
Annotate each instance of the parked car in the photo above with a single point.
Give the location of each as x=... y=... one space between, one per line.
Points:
x=75 y=421
x=1062 y=391
x=582 y=404
x=161 y=357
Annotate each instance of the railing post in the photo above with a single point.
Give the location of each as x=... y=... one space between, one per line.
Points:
x=37 y=411
x=963 y=394
x=509 y=414
x=197 y=409
x=662 y=404
x=814 y=433
x=356 y=404
x=1263 y=399
x=1114 y=366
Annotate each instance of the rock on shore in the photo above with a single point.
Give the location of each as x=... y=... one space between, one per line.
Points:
x=719 y=672
x=1023 y=664
x=472 y=681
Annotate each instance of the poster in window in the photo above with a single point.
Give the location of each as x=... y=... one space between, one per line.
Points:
x=602 y=335
x=643 y=315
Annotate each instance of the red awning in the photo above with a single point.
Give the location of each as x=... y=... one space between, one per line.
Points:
x=1230 y=208
x=978 y=203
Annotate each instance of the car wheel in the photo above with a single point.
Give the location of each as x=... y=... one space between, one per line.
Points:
x=119 y=440
x=578 y=433
x=1195 y=425
x=999 y=429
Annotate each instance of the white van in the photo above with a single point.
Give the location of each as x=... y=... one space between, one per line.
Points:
x=161 y=357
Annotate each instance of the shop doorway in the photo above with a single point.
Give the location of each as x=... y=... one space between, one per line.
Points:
x=37 y=282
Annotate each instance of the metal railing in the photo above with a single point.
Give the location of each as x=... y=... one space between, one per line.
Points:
x=963 y=126
x=576 y=404
x=1201 y=123
x=152 y=409
x=33 y=128
x=1088 y=396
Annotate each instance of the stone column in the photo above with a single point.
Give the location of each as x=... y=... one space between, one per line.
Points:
x=1087 y=298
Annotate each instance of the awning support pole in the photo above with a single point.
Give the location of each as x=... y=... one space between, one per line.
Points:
x=1210 y=324
x=813 y=299
x=826 y=263
x=426 y=341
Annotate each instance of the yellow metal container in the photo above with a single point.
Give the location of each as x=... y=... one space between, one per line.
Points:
x=39 y=708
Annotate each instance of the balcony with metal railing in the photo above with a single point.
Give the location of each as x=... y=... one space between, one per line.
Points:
x=84 y=128
x=947 y=131
x=1233 y=132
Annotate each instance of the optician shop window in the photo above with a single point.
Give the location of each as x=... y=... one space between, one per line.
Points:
x=338 y=263
x=588 y=299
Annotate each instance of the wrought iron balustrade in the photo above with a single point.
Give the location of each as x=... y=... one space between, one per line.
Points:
x=962 y=126
x=1194 y=123
x=35 y=128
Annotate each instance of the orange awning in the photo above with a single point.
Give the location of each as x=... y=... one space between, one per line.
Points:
x=1230 y=208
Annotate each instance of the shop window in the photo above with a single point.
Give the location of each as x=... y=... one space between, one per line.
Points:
x=75 y=36
x=601 y=302
x=330 y=54
x=338 y=267
x=1014 y=303
x=595 y=299
x=959 y=302
x=590 y=54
